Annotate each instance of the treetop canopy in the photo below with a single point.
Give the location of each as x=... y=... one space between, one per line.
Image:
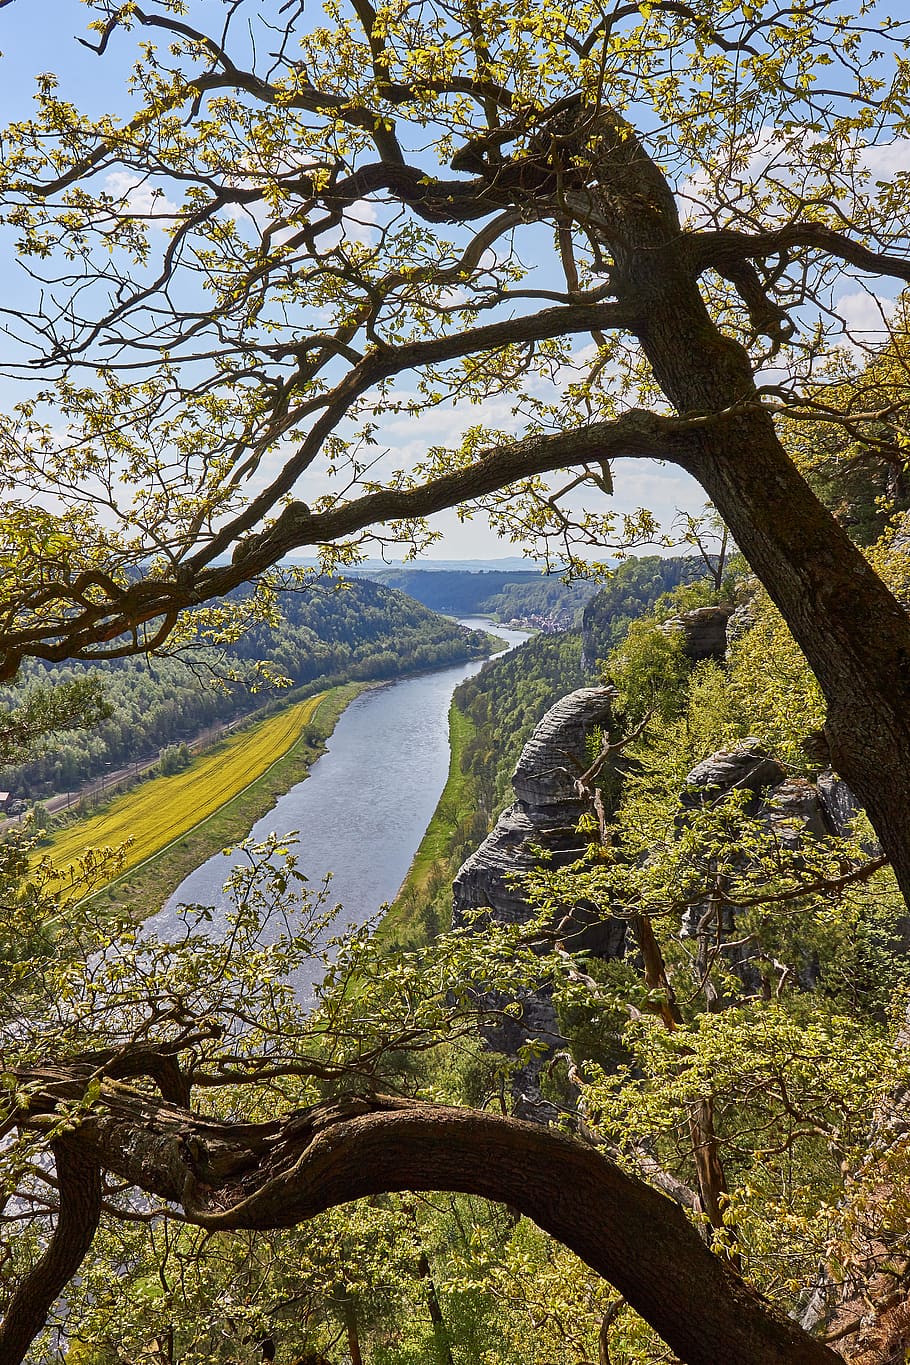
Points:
x=312 y=225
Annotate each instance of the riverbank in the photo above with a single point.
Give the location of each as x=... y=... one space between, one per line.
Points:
x=144 y=888
x=362 y=812
x=422 y=908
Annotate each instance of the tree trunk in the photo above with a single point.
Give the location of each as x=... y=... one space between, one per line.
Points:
x=853 y=632
x=437 y=1318
x=79 y=1182
x=712 y=1182
x=277 y=1175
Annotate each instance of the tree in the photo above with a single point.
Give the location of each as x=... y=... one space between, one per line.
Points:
x=191 y=378
x=292 y=242
x=208 y=1027
x=710 y=540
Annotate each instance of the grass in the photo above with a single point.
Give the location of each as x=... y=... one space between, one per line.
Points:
x=177 y=822
x=410 y=920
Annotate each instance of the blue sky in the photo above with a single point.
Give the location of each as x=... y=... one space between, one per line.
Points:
x=42 y=37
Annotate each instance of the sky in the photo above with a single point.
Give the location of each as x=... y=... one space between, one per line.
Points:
x=39 y=38
x=42 y=38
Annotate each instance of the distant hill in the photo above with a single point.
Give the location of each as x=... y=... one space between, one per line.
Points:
x=501 y=593
x=372 y=568
x=632 y=590
x=332 y=632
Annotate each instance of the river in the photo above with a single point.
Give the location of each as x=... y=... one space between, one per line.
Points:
x=364 y=808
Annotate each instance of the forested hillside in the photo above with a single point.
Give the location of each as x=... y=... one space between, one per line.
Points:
x=329 y=632
x=628 y=594
x=501 y=594
x=507 y=698
x=740 y=1050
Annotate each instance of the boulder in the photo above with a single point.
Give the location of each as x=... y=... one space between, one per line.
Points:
x=746 y=766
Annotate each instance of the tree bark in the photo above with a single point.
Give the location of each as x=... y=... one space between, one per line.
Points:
x=279 y=1174
x=79 y=1181
x=853 y=632
x=437 y=1318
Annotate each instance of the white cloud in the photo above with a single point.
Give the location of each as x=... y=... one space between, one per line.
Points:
x=141 y=196
x=360 y=222
x=888 y=158
x=865 y=318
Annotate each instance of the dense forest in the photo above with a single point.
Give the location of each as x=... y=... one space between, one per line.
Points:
x=627 y=594
x=327 y=632
x=501 y=594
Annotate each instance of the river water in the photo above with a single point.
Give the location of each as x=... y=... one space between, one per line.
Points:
x=364 y=808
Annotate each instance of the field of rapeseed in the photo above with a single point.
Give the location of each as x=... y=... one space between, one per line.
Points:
x=162 y=810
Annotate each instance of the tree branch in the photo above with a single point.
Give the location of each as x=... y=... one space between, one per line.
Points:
x=726 y=247
x=385 y=362
x=821 y=886
x=636 y=434
x=272 y=1175
x=79 y=1182
x=93 y=625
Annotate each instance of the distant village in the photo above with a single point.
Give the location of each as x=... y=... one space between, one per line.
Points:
x=553 y=624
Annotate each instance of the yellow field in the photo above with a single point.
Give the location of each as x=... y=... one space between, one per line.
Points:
x=165 y=808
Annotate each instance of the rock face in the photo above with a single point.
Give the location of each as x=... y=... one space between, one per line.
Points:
x=794 y=810
x=838 y=803
x=545 y=814
x=704 y=631
x=745 y=766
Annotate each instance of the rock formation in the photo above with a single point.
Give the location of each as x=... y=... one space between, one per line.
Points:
x=545 y=814
x=795 y=808
x=745 y=766
x=703 y=630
